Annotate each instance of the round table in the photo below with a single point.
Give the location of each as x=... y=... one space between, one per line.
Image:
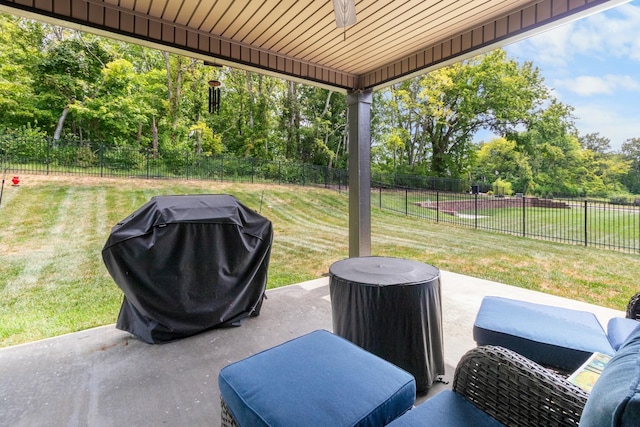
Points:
x=391 y=307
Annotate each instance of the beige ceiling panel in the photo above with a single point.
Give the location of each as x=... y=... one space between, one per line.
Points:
x=157 y=8
x=200 y=12
x=171 y=10
x=237 y=12
x=251 y=16
x=126 y=4
x=391 y=39
x=210 y=19
x=393 y=35
x=407 y=40
x=224 y=14
x=271 y=19
x=301 y=24
x=186 y=12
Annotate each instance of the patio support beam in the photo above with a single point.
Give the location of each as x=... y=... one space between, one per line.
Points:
x=359 y=118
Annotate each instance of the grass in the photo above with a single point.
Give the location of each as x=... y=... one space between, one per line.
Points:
x=52 y=229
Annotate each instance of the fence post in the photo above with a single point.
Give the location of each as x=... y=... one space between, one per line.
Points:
x=406 y=201
x=279 y=172
x=148 y=165
x=586 y=239
x=437 y=206
x=253 y=168
x=524 y=215
x=222 y=168
x=101 y=159
x=380 y=195
x=186 y=165
x=475 y=216
x=48 y=153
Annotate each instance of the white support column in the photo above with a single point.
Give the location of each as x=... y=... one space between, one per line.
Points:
x=359 y=116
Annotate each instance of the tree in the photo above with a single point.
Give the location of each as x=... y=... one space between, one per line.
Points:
x=596 y=143
x=442 y=110
x=323 y=136
x=69 y=71
x=630 y=151
x=21 y=42
x=500 y=159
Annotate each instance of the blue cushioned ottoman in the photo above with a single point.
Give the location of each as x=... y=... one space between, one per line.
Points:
x=551 y=336
x=318 y=379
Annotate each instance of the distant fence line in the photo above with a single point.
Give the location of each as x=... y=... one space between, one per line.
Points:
x=583 y=222
x=575 y=221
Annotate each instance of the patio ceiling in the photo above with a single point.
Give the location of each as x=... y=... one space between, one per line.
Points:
x=299 y=40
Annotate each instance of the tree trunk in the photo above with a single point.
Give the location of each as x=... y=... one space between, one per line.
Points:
x=154 y=132
x=63 y=116
x=251 y=98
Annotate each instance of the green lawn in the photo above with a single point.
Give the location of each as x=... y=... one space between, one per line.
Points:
x=52 y=229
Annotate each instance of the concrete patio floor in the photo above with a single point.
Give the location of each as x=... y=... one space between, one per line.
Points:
x=106 y=377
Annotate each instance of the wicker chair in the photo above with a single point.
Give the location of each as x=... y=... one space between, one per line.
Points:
x=517 y=391
x=633 y=308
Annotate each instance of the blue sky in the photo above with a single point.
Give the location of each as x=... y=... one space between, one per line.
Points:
x=593 y=64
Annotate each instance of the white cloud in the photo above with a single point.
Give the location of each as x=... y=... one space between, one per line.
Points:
x=598 y=85
x=614 y=32
x=609 y=121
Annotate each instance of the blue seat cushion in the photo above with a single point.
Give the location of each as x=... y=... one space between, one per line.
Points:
x=446 y=409
x=552 y=336
x=318 y=379
x=615 y=398
x=619 y=329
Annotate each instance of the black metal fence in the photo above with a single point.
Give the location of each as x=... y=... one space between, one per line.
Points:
x=575 y=221
x=44 y=156
x=584 y=222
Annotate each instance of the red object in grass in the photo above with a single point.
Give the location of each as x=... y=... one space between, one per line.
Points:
x=15 y=180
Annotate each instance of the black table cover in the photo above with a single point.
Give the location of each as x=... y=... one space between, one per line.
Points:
x=391 y=307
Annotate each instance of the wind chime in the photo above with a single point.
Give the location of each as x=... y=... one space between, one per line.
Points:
x=214 y=96
x=345 y=12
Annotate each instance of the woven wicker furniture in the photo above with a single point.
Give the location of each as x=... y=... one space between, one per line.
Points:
x=494 y=386
x=503 y=388
x=633 y=308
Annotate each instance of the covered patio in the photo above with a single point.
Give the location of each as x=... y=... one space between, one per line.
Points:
x=106 y=377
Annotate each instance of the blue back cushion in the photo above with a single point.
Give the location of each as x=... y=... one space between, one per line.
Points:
x=615 y=398
x=549 y=335
x=318 y=379
x=619 y=329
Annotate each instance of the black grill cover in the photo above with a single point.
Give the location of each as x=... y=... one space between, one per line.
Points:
x=187 y=264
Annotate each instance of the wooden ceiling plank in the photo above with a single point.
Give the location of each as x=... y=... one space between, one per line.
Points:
x=224 y=14
x=186 y=11
x=245 y=8
x=204 y=9
x=371 y=35
x=156 y=9
x=142 y=6
x=409 y=40
x=171 y=10
x=253 y=13
x=306 y=21
x=127 y=4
